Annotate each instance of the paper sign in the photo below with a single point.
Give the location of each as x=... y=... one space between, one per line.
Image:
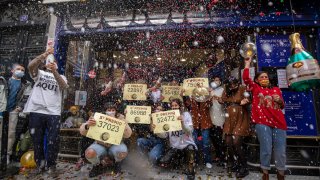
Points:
x=166 y=121
x=171 y=92
x=282 y=78
x=190 y=84
x=81 y=98
x=135 y=92
x=107 y=129
x=138 y=114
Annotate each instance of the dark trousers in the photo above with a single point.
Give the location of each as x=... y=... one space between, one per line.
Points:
x=38 y=124
x=217 y=141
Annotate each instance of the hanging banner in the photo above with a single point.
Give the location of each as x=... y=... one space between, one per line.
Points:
x=166 y=121
x=107 y=129
x=191 y=83
x=138 y=114
x=171 y=92
x=274 y=50
x=300 y=113
x=135 y=92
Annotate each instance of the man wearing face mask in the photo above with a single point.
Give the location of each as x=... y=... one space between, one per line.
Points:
x=44 y=106
x=16 y=100
x=217 y=118
x=101 y=154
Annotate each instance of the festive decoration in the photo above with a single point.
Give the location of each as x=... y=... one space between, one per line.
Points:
x=27 y=160
x=248 y=49
x=303 y=70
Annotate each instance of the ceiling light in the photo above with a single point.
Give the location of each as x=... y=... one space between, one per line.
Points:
x=136 y=57
x=159 y=58
x=183 y=60
x=114 y=56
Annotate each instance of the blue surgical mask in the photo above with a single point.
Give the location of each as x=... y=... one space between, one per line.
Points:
x=19 y=73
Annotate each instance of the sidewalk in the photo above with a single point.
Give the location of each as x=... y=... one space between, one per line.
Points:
x=135 y=169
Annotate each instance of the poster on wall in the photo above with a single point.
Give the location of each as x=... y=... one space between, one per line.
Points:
x=274 y=50
x=282 y=78
x=300 y=113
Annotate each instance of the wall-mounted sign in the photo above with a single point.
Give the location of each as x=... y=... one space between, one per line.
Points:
x=300 y=113
x=274 y=50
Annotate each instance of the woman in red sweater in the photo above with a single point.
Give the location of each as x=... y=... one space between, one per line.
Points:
x=270 y=124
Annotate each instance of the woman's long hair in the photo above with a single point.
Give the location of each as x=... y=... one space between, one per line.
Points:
x=231 y=80
x=179 y=102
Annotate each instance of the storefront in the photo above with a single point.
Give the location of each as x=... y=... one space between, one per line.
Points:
x=177 y=40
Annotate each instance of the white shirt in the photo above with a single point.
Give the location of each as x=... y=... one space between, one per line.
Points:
x=155 y=96
x=179 y=139
x=216 y=110
x=46 y=95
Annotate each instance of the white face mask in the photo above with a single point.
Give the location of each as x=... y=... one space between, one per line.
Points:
x=214 y=84
x=111 y=113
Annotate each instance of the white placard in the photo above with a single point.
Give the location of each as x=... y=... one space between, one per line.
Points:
x=282 y=78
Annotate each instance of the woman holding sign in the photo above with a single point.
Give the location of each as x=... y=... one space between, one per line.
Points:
x=181 y=142
x=270 y=124
x=236 y=126
x=101 y=154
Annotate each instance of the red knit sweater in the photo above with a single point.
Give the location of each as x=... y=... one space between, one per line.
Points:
x=264 y=110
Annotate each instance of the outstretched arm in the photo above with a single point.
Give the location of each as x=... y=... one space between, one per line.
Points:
x=34 y=64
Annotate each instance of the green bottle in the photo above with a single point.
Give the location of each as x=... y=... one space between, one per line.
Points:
x=303 y=72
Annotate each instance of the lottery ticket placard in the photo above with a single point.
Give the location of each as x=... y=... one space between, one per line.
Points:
x=166 y=121
x=171 y=92
x=191 y=83
x=138 y=114
x=135 y=92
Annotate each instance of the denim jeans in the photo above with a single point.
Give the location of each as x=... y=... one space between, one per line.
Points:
x=103 y=151
x=153 y=146
x=272 y=137
x=205 y=143
x=38 y=124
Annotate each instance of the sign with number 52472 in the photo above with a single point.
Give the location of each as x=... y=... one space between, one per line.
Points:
x=166 y=121
x=107 y=129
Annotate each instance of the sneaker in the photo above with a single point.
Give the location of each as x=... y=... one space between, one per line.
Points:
x=209 y=165
x=96 y=170
x=38 y=170
x=52 y=171
x=79 y=164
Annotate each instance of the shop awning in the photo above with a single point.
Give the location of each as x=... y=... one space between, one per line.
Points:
x=58 y=1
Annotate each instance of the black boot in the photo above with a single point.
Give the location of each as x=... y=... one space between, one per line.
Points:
x=243 y=172
x=96 y=170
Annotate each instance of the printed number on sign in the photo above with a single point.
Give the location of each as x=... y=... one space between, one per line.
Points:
x=171 y=92
x=195 y=85
x=165 y=119
x=134 y=112
x=135 y=90
x=108 y=126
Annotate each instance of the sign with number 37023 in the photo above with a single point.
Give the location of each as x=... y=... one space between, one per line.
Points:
x=107 y=129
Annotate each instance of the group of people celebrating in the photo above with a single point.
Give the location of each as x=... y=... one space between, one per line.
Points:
x=223 y=120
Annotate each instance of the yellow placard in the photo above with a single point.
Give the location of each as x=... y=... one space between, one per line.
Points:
x=166 y=121
x=107 y=129
x=138 y=114
x=135 y=92
x=190 y=84
x=171 y=92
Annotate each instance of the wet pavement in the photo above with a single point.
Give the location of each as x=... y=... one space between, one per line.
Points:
x=138 y=169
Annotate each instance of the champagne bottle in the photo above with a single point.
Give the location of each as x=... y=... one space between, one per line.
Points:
x=303 y=70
